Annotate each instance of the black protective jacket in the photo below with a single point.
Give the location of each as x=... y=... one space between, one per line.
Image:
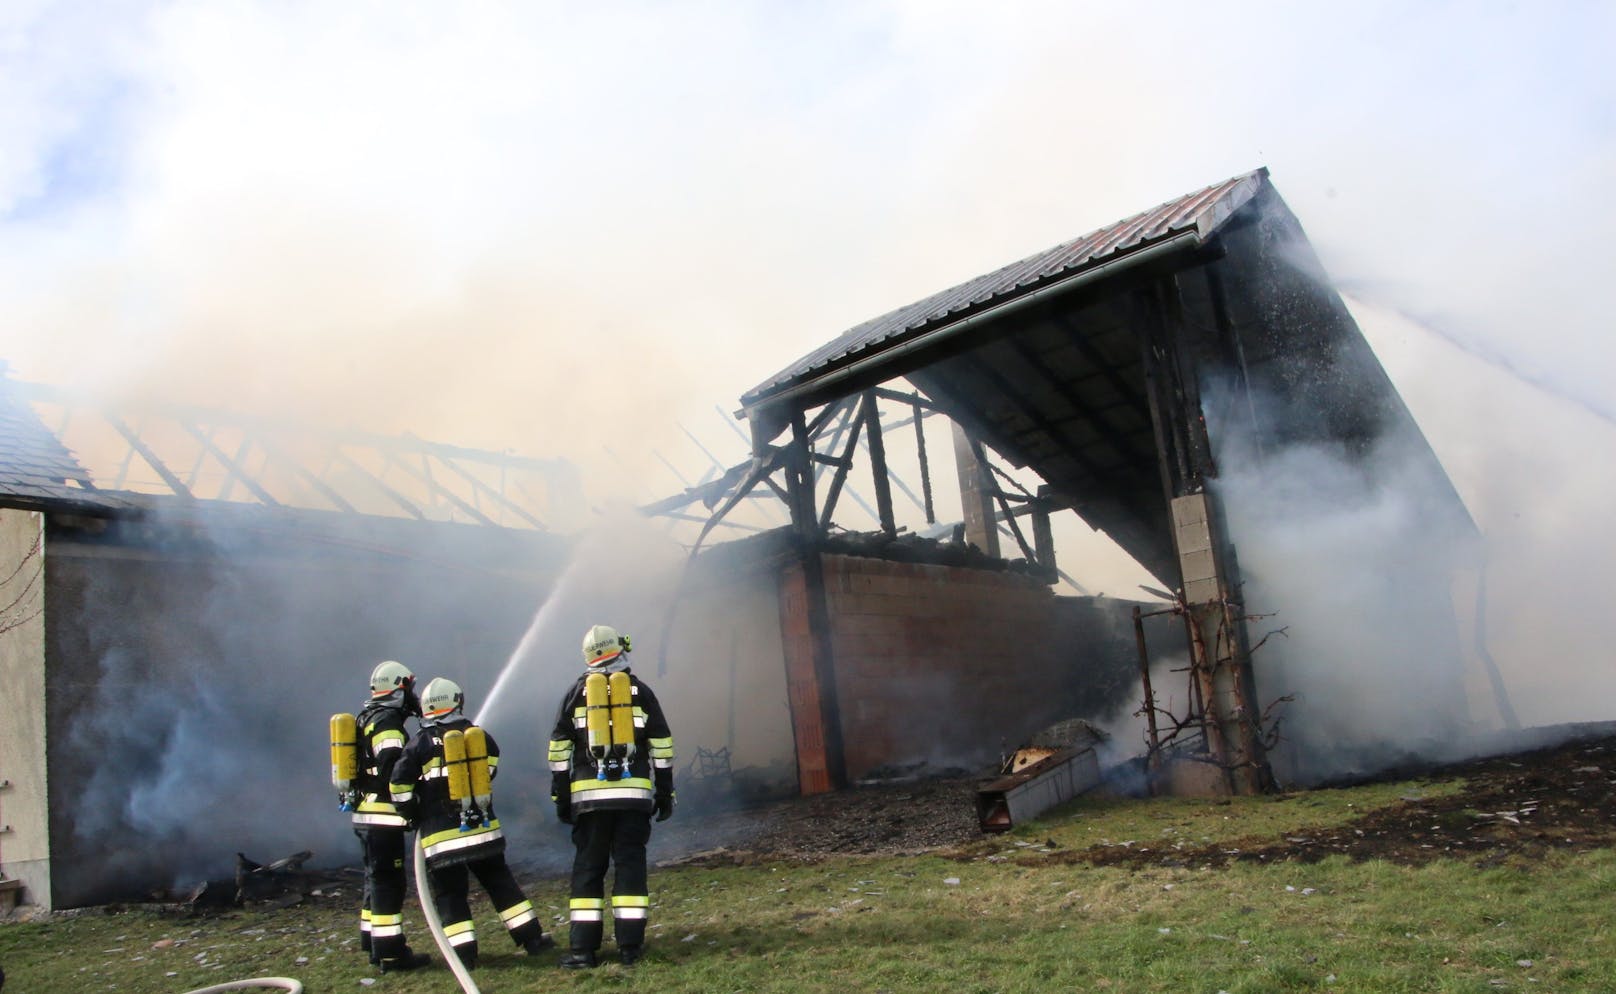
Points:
x=420 y=788
x=649 y=771
x=381 y=742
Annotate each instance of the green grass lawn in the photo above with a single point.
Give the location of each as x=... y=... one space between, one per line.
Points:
x=1011 y=914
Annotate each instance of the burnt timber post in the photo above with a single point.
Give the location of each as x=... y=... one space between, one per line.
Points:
x=976 y=495
x=805 y=620
x=878 y=463
x=1214 y=620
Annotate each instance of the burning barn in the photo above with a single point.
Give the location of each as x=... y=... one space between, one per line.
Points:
x=1166 y=379
x=178 y=627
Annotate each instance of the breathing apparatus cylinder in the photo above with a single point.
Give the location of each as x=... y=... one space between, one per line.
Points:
x=598 y=721
x=480 y=774
x=344 y=758
x=457 y=773
x=621 y=691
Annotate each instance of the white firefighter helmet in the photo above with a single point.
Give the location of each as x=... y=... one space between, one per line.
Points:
x=602 y=646
x=389 y=678
x=441 y=699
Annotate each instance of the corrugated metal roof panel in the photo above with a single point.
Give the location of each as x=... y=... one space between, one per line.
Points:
x=1204 y=211
x=35 y=467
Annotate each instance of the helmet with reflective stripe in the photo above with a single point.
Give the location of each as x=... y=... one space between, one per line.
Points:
x=389 y=678
x=441 y=699
x=602 y=645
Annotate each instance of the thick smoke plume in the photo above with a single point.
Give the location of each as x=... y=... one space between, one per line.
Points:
x=213 y=670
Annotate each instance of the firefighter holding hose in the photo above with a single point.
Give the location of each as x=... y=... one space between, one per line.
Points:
x=611 y=767
x=444 y=781
x=373 y=742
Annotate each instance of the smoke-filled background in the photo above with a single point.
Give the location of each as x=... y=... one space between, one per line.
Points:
x=566 y=230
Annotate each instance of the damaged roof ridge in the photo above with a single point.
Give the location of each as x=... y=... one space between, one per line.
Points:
x=1202 y=211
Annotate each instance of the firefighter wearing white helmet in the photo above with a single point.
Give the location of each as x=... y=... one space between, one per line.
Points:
x=611 y=767
x=455 y=848
x=378 y=822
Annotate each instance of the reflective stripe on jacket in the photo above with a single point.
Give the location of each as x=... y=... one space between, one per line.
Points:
x=419 y=784
x=381 y=743
x=634 y=789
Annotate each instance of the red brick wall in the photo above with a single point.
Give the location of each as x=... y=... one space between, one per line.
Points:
x=802 y=683
x=941 y=663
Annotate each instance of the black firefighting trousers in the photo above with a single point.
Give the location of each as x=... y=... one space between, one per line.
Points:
x=451 y=886
x=381 y=915
x=617 y=838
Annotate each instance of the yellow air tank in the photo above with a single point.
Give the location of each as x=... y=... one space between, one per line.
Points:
x=454 y=762
x=344 y=757
x=597 y=715
x=477 y=769
x=622 y=696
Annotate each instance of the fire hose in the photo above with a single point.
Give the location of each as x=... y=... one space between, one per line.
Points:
x=429 y=911
x=282 y=983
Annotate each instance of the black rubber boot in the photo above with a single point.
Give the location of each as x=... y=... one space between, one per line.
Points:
x=578 y=959
x=629 y=955
x=538 y=944
x=408 y=960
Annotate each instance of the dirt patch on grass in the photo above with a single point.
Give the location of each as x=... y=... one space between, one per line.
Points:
x=897 y=819
x=1522 y=805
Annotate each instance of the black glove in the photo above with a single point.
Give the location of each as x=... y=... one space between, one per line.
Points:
x=664 y=805
x=561 y=794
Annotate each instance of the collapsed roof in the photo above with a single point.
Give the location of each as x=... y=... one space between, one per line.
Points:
x=1099 y=362
x=139 y=456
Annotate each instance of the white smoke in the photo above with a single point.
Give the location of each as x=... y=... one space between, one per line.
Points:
x=562 y=230
x=1352 y=557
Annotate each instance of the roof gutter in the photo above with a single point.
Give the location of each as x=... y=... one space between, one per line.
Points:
x=1173 y=244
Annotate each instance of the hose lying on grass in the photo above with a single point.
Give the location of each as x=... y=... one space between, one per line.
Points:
x=428 y=909
x=282 y=983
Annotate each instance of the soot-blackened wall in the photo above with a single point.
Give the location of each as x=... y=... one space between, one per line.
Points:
x=191 y=674
x=949 y=665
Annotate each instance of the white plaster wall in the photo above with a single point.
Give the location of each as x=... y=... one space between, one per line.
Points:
x=24 y=826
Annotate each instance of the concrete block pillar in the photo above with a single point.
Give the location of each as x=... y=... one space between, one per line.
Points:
x=24 y=818
x=1222 y=667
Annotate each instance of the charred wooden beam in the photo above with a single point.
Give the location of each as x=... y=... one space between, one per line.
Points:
x=433 y=487
x=174 y=482
x=878 y=464
x=320 y=486
x=925 y=471
x=976 y=490
x=380 y=484
x=843 y=465
x=478 y=486
x=238 y=461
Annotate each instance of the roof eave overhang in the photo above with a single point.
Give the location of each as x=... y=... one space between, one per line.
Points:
x=771 y=411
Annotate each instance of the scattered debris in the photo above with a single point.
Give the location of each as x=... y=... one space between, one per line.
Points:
x=281 y=883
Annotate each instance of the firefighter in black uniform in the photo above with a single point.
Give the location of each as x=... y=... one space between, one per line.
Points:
x=608 y=803
x=454 y=847
x=377 y=821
